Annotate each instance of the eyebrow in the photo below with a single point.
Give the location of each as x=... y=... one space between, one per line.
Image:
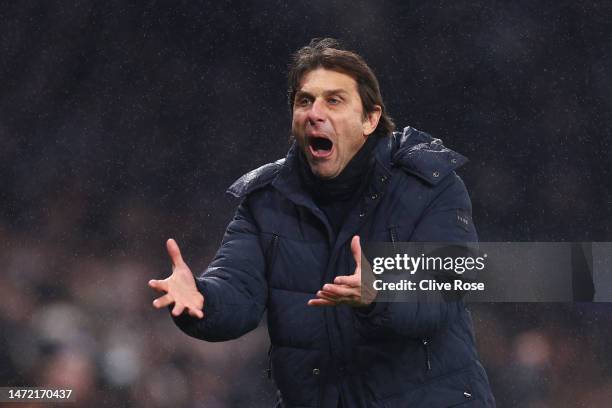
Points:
x=325 y=93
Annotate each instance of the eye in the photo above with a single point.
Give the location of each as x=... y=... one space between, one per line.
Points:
x=333 y=101
x=303 y=101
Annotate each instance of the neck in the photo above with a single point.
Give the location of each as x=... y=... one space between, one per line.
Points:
x=350 y=180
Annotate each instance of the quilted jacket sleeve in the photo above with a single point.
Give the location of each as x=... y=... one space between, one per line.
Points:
x=447 y=219
x=234 y=285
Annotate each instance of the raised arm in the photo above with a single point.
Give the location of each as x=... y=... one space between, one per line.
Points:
x=233 y=287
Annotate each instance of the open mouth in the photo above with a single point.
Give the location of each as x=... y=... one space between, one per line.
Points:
x=320 y=146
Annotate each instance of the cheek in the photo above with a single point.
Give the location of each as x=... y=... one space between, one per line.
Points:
x=297 y=121
x=352 y=138
x=296 y=128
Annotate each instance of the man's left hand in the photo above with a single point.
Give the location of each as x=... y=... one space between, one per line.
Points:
x=346 y=290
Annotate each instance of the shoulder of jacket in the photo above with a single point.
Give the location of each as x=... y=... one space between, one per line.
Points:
x=255 y=179
x=424 y=156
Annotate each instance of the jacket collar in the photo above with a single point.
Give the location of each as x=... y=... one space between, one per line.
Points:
x=288 y=182
x=414 y=151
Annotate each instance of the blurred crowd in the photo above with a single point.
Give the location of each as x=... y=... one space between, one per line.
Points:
x=121 y=124
x=85 y=322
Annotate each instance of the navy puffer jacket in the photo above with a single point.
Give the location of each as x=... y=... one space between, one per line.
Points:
x=280 y=249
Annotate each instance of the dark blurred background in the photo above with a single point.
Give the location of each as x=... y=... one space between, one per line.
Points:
x=122 y=124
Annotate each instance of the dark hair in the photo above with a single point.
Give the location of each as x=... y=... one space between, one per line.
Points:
x=329 y=54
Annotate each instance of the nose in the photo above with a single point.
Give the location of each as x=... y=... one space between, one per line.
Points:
x=316 y=113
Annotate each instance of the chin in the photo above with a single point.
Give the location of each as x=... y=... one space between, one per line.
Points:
x=323 y=173
x=325 y=169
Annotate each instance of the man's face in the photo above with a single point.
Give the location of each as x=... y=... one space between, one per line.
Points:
x=328 y=121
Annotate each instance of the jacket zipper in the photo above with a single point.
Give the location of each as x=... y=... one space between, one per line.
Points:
x=269 y=369
x=271 y=255
x=271 y=252
x=425 y=342
x=393 y=236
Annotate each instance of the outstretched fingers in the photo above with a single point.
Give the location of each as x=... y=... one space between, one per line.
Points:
x=335 y=291
x=163 y=301
x=321 y=302
x=179 y=290
x=196 y=313
x=356 y=250
x=178 y=309
x=345 y=289
x=352 y=280
x=193 y=311
x=159 y=285
x=174 y=252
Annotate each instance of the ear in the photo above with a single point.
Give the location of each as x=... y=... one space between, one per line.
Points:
x=371 y=120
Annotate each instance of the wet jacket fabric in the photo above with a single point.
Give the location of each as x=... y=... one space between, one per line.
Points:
x=280 y=249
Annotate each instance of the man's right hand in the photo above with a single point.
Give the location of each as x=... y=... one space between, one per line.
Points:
x=179 y=288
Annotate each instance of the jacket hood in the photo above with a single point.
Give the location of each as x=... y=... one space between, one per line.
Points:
x=424 y=156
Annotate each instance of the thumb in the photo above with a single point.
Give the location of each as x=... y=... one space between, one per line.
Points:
x=356 y=250
x=174 y=252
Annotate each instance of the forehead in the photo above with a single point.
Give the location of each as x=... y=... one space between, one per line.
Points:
x=321 y=80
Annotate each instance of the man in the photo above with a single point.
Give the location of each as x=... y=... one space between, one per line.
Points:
x=294 y=248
